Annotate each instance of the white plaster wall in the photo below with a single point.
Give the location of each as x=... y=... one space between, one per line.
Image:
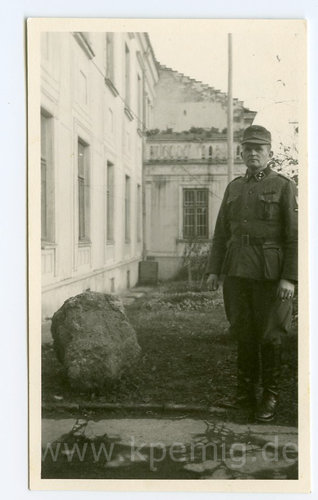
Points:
x=54 y=297
x=182 y=103
x=165 y=184
x=69 y=268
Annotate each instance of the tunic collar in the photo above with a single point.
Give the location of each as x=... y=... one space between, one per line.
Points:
x=259 y=176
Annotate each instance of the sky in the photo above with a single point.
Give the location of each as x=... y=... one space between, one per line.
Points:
x=268 y=67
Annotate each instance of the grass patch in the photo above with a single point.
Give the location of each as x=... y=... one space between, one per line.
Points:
x=187 y=356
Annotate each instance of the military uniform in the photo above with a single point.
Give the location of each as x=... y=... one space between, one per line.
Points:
x=254 y=246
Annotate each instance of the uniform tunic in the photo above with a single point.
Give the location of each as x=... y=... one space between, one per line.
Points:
x=254 y=246
x=256 y=230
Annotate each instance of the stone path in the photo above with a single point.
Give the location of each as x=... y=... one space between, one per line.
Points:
x=168 y=448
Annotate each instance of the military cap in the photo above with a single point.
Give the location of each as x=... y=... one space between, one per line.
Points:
x=256 y=134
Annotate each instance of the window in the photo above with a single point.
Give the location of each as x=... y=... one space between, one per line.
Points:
x=47 y=180
x=195 y=213
x=210 y=151
x=127 y=75
x=110 y=56
x=83 y=191
x=127 y=208
x=139 y=211
x=110 y=202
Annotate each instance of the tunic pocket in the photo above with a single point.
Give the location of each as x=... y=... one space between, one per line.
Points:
x=268 y=206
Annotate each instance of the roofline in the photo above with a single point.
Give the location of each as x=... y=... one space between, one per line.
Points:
x=217 y=91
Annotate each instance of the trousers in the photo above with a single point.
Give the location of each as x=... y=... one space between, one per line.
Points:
x=256 y=315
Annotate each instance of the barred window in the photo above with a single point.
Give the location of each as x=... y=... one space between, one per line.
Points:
x=195 y=213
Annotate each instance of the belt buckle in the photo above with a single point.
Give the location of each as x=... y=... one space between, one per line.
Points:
x=245 y=240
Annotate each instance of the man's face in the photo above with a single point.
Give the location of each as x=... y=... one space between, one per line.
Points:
x=256 y=156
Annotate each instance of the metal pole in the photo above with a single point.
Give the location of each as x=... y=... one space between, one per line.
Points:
x=230 y=164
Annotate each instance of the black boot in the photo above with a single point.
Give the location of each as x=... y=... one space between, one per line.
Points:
x=271 y=367
x=247 y=377
x=245 y=393
x=247 y=374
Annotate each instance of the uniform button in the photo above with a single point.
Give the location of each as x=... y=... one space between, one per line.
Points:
x=245 y=220
x=246 y=206
x=251 y=191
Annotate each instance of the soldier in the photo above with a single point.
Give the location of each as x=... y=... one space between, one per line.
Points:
x=255 y=247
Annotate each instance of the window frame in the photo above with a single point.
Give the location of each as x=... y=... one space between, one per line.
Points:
x=47 y=163
x=196 y=206
x=110 y=202
x=83 y=220
x=127 y=219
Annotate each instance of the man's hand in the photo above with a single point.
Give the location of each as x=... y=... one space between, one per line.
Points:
x=285 y=290
x=213 y=282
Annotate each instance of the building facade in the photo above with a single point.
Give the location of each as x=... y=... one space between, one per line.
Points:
x=186 y=166
x=182 y=103
x=97 y=94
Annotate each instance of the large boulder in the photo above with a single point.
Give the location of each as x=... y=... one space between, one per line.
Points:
x=94 y=340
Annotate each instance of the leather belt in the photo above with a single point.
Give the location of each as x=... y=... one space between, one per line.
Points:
x=246 y=240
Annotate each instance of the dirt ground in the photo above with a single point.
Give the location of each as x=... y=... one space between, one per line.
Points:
x=188 y=357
